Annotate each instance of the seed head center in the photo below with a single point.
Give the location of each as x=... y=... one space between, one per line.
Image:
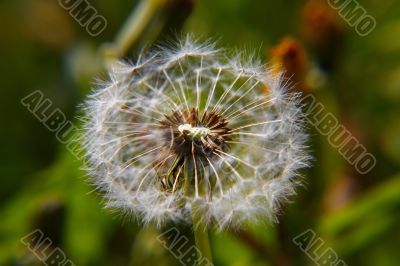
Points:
x=188 y=134
x=194 y=132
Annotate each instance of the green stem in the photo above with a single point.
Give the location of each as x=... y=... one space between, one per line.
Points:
x=133 y=28
x=199 y=227
x=201 y=238
x=187 y=177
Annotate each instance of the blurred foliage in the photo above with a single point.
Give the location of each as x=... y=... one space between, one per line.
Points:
x=356 y=78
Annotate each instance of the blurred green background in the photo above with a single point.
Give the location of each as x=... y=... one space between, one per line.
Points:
x=356 y=78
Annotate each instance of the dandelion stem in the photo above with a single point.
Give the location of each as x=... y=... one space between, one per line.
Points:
x=199 y=227
x=187 y=177
x=134 y=27
x=201 y=237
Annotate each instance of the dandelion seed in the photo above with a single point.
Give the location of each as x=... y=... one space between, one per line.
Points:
x=190 y=126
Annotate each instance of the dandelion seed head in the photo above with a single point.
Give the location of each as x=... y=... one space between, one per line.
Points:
x=190 y=126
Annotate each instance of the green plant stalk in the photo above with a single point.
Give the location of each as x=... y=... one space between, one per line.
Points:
x=200 y=231
x=201 y=238
x=134 y=27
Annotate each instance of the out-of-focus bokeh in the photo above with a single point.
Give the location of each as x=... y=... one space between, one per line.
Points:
x=356 y=78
